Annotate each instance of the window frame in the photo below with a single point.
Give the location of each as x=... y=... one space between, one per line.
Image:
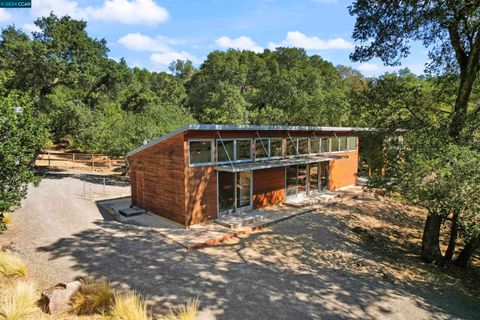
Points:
x=318 y=139
x=329 y=141
x=356 y=143
x=232 y=157
x=270 y=149
x=331 y=144
x=235 y=150
x=298 y=147
x=212 y=153
x=269 y=152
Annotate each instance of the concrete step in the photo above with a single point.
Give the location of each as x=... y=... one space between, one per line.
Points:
x=131 y=211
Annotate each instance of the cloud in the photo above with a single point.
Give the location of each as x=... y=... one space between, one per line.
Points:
x=30 y=27
x=139 y=42
x=242 y=43
x=130 y=12
x=123 y=11
x=4 y=15
x=163 y=59
x=373 y=69
x=298 y=39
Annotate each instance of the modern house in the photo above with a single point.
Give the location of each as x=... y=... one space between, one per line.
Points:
x=201 y=171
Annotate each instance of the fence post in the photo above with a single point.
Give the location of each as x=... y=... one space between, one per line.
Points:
x=109 y=163
x=93 y=162
x=103 y=185
x=48 y=153
x=73 y=159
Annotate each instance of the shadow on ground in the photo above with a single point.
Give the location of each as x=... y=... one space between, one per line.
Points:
x=290 y=273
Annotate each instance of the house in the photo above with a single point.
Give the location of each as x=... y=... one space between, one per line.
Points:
x=202 y=171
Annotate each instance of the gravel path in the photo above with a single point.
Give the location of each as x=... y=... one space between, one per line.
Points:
x=277 y=274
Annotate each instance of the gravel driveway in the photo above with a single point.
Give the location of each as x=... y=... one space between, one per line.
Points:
x=277 y=274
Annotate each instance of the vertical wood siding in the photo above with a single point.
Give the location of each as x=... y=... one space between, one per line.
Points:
x=343 y=172
x=268 y=187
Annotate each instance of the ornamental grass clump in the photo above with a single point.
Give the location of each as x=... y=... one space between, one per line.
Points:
x=186 y=311
x=129 y=306
x=18 y=301
x=7 y=218
x=11 y=265
x=93 y=296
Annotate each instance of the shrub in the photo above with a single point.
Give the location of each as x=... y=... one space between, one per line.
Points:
x=18 y=301
x=129 y=307
x=11 y=265
x=93 y=296
x=186 y=311
x=7 y=218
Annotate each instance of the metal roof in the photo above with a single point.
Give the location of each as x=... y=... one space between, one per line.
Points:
x=247 y=166
x=232 y=127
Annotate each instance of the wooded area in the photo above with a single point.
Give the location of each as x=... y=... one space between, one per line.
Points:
x=59 y=84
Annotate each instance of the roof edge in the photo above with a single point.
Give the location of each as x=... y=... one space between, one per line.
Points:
x=241 y=127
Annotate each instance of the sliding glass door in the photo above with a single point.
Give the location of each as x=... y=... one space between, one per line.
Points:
x=296 y=180
x=234 y=192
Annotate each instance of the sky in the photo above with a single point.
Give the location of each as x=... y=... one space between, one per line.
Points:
x=152 y=33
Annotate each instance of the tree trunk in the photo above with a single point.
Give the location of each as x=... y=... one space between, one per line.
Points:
x=431 y=237
x=452 y=243
x=461 y=104
x=463 y=258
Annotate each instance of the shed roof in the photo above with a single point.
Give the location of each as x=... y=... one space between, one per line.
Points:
x=231 y=127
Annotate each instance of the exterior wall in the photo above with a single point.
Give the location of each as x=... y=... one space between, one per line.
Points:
x=157 y=179
x=343 y=172
x=268 y=187
x=200 y=194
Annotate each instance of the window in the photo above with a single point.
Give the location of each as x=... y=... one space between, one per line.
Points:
x=335 y=144
x=325 y=145
x=200 y=152
x=244 y=150
x=343 y=143
x=238 y=150
x=314 y=145
x=276 y=148
x=222 y=151
x=261 y=149
x=303 y=146
x=352 y=143
x=291 y=147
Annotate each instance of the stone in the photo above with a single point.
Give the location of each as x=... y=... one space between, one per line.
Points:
x=57 y=298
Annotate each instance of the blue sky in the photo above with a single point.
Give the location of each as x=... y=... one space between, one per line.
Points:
x=152 y=33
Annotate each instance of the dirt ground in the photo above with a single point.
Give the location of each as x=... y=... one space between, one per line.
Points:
x=357 y=258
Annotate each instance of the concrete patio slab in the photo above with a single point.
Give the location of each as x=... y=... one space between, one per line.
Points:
x=204 y=234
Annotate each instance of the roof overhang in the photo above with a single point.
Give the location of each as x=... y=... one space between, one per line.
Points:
x=230 y=127
x=259 y=165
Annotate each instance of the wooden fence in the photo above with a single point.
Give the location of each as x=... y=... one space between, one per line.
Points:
x=90 y=161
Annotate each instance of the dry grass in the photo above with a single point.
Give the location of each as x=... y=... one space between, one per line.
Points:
x=129 y=306
x=93 y=296
x=11 y=265
x=7 y=218
x=186 y=311
x=18 y=301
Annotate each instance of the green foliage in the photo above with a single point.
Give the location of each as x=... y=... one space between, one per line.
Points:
x=21 y=135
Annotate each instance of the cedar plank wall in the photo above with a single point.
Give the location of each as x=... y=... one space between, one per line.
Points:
x=157 y=179
x=268 y=187
x=343 y=172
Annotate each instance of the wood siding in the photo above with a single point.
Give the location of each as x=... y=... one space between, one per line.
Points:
x=268 y=187
x=343 y=172
x=200 y=194
x=157 y=179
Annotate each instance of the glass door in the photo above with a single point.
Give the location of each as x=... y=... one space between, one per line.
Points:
x=313 y=182
x=302 y=179
x=226 y=192
x=244 y=190
x=324 y=175
x=291 y=181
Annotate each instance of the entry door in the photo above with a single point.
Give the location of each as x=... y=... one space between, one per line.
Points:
x=234 y=192
x=296 y=180
x=324 y=175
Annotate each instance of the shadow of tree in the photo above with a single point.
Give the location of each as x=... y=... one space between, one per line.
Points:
x=282 y=274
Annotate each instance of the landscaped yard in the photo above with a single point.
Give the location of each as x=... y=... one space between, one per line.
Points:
x=354 y=259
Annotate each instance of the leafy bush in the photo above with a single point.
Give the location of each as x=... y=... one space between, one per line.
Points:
x=18 y=301
x=11 y=265
x=93 y=296
x=186 y=311
x=129 y=307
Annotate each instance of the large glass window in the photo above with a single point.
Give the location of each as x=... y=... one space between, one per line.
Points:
x=291 y=147
x=276 y=148
x=335 y=144
x=324 y=145
x=200 y=152
x=244 y=150
x=314 y=145
x=223 y=148
x=303 y=146
x=352 y=143
x=343 y=143
x=261 y=149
